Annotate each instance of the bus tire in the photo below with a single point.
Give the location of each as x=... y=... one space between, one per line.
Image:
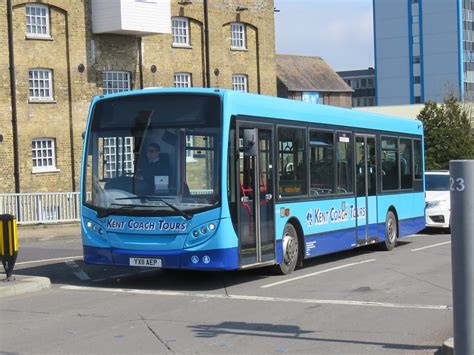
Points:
x=391 y=232
x=290 y=245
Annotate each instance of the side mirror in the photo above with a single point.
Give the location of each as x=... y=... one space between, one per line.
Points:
x=250 y=142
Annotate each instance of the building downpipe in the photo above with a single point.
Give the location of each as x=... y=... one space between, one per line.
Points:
x=69 y=98
x=140 y=61
x=13 y=96
x=206 y=40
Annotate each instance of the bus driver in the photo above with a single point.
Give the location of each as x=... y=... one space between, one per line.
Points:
x=155 y=166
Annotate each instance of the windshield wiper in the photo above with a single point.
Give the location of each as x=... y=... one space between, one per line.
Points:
x=110 y=211
x=185 y=214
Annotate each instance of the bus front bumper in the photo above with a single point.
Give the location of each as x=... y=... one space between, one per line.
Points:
x=218 y=259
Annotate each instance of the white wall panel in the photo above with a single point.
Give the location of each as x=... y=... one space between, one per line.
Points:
x=133 y=17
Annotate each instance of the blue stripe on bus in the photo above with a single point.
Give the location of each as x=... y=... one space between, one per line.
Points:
x=331 y=242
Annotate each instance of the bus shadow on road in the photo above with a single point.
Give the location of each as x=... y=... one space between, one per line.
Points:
x=289 y=332
x=75 y=272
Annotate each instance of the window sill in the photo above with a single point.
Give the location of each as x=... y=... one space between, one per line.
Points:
x=239 y=49
x=39 y=38
x=45 y=171
x=33 y=101
x=183 y=46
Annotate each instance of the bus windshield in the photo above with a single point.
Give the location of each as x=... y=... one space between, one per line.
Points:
x=153 y=154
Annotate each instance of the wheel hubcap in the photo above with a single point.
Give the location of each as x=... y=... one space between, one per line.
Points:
x=290 y=248
x=391 y=230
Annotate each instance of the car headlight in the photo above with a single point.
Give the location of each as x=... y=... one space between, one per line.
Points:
x=433 y=204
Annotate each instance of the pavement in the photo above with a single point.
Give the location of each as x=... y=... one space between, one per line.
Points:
x=47 y=231
x=27 y=284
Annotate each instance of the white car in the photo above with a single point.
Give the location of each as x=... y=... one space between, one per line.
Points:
x=438 y=207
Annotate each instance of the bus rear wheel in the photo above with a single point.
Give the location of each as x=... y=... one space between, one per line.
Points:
x=391 y=232
x=290 y=244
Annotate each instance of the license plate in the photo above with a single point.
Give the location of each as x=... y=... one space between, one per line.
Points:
x=145 y=262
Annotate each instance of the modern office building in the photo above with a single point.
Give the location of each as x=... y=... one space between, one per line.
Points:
x=55 y=55
x=424 y=50
x=363 y=84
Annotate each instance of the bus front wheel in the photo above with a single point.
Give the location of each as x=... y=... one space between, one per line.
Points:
x=391 y=232
x=290 y=244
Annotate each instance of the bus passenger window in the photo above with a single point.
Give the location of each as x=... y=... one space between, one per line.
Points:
x=321 y=166
x=389 y=163
x=344 y=163
x=418 y=159
x=292 y=161
x=406 y=164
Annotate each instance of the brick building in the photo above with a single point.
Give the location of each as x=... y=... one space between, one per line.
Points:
x=311 y=79
x=60 y=61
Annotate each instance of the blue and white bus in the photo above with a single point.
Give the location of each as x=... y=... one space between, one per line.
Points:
x=252 y=181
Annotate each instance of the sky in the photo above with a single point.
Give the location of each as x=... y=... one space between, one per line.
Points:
x=339 y=31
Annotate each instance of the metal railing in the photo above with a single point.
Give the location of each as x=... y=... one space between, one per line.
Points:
x=32 y=208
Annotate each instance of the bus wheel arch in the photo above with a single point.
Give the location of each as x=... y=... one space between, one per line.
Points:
x=292 y=246
x=392 y=229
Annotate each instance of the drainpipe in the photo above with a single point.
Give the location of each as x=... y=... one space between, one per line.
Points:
x=206 y=40
x=13 y=96
x=140 y=61
x=69 y=99
x=259 y=89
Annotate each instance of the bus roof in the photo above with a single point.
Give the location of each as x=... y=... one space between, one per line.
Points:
x=238 y=103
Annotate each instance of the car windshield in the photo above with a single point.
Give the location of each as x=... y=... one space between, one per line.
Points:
x=153 y=154
x=437 y=182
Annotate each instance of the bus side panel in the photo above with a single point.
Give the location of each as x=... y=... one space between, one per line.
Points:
x=410 y=210
x=328 y=225
x=329 y=242
x=373 y=217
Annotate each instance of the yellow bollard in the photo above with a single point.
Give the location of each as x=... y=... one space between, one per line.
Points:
x=8 y=243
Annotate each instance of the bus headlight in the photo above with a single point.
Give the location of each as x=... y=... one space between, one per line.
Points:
x=202 y=233
x=95 y=228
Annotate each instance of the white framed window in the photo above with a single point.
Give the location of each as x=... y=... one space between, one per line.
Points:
x=180 y=31
x=40 y=84
x=239 y=82
x=37 y=21
x=182 y=80
x=118 y=155
x=237 y=36
x=43 y=152
x=190 y=148
x=115 y=81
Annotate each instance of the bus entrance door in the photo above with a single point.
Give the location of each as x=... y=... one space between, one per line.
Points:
x=366 y=188
x=256 y=207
